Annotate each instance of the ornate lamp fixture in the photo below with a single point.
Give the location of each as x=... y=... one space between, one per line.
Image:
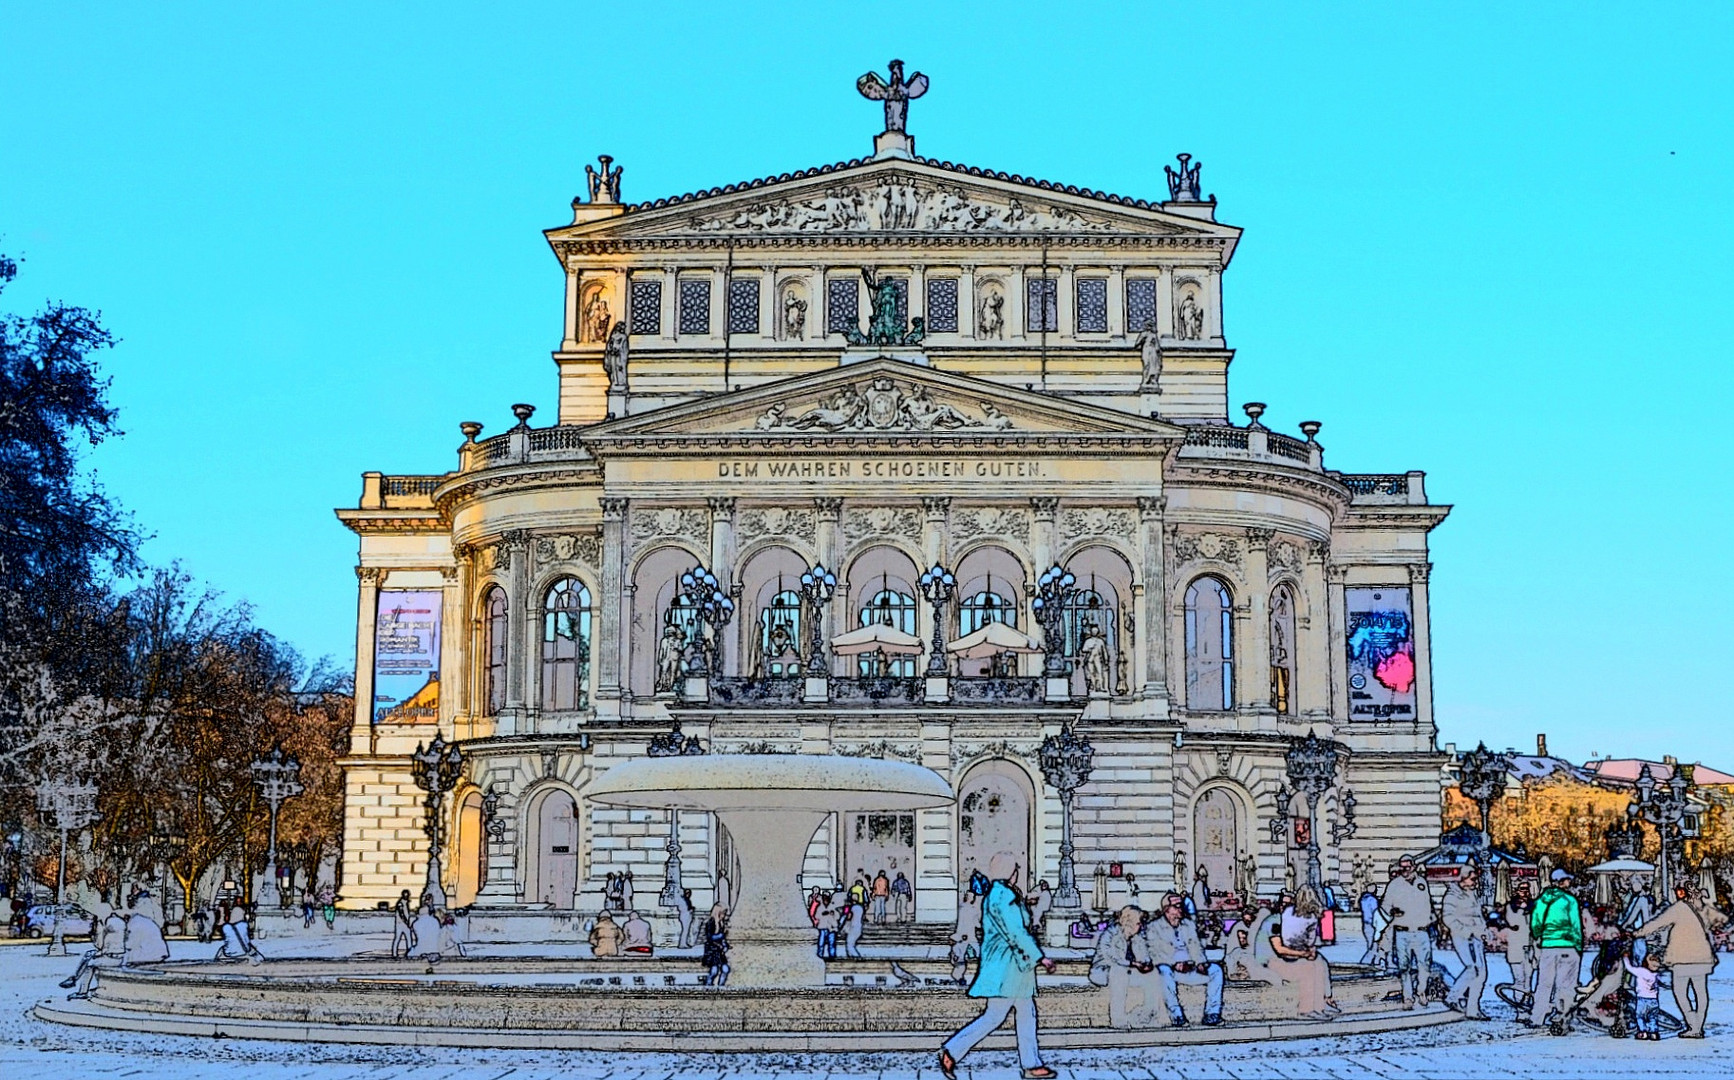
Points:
x=818 y=585
x=1312 y=769
x=70 y=805
x=938 y=585
x=278 y=778
x=1481 y=779
x=1054 y=591
x=715 y=610
x=436 y=768
x=671 y=744
x=1665 y=806
x=1066 y=764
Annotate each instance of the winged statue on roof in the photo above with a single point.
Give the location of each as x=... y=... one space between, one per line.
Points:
x=896 y=94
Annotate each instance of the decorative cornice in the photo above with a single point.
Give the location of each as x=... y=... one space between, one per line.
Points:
x=362 y=522
x=877 y=241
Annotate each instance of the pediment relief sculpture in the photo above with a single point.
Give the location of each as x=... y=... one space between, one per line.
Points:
x=882 y=405
x=582 y=547
x=971 y=522
x=778 y=521
x=1097 y=521
x=1215 y=547
x=881 y=521
x=670 y=521
x=896 y=204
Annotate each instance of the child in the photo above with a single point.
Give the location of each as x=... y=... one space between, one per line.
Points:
x=1646 y=981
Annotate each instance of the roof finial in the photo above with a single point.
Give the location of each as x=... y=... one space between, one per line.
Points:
x=604 y=185
x=894 y=141
x=1183 y=185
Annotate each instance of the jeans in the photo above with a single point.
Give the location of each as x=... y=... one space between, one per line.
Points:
x=1413 y=956
x=1647 y=1010
x=991 y=1018
x=1210 y=976
x=1466 y=988
x=827 y=944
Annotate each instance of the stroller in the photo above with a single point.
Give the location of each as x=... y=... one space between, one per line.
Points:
x=1606 y=1004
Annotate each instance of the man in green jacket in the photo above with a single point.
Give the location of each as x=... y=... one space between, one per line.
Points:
x=1556 y=929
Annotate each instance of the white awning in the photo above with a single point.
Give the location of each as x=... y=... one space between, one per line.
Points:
x=876 y=638
x=991 y=640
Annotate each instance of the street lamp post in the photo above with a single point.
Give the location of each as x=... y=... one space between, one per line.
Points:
x=1481 y=779
x=1066 y=764
x=938 y=585
x=436 y=769
x=72 y=806
x=1054 y=591
x=715 y=609
x=279 y=778
x=818 y=585
x=672 y=744
x=1312 y=769
x=1663 y=806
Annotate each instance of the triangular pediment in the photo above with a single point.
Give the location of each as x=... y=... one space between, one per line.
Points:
x=880 y=398
x=897 y=197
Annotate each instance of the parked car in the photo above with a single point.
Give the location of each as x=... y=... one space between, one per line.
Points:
x=39 y=921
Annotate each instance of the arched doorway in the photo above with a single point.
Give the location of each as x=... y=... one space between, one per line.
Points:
x=470 y=856
x=1216 y=837
x=553 y=865
x=993 y=814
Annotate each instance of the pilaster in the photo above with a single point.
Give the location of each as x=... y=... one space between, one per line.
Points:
x=1153 y=620
x=613 y=618
x=367 y=612
x=1255 y=691
x=1337 y=574
x=1313 y=658
x=830 y=544
x=1419 y=611
x=515 y=547
x=722 y=564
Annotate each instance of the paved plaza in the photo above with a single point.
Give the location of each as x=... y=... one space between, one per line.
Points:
x=1498 y=1048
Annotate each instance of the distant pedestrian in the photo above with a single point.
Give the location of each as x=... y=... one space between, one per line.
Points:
x=626 y=891
x=684 y=914
x=1040 y=904
x=825 y=921
x=328 y=907
x=1370 y=926
x=1518 y=952
x=1465 y=918
x=881 y=896
x=1556 y=927
x=307 y=908
x=605 y=936
x=1006 y=978
x=611 y=892
x=637 y=931
x=716 y=947
x=902 y=897
x=201 y=924
x=1690 y=952
x=402 y=926
x=852 y=926
x=1409 y=907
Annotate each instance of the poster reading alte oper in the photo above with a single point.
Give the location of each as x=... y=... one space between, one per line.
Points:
x=406 y=649
x=1381 y=644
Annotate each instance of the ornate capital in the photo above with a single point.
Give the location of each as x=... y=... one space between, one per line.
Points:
x=1260 y=536
x=369 y=575
x=829 y=507
x=935 y=506
x=1318 y=550
x=1151 y=506
x=463 y=552
x=1337 y=573
x=1418 y=572
x=515 y=539
x=1045 y=507
x=449 y=573
x=721 y=505
x=613 y=508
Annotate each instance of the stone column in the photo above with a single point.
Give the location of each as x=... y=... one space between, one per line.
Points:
x=1017 y=293
x=454 y=627
x=1165 y=303
x=367 y=613
x=1418 y=574
x=1315 y=650
x=1255 y=692
x=516 y=547
x=669 y=318
x=722 y=564
x=830 y=545
x=1117 y=303
x=966 y=313
x=1065 y=305
x=917 y=293
x=569 y=338
x=1338 y=574
x=1153 y=617
x=614 y=619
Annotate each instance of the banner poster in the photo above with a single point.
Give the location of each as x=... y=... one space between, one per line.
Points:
x=406 y=657
x=1381 y=645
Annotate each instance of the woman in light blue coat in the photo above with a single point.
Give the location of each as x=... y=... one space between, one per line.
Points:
x=1006 y=976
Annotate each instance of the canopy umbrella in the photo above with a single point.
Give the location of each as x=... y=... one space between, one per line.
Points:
x=876 y=638
x=991 y=640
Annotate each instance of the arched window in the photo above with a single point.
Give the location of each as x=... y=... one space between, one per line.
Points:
x=494 y=650
x=566 y=646
x=888 y=607
x=1209 y=646
x=983 y=608
x=780 y=635
x=1282 y=642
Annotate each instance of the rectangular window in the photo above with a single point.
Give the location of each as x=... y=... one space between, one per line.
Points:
x=646 y=304
x=1092 y=305
x=744 y=306
x=1042 y=310
x=695 y=306
x=842 y=306
x=1140 y=305
x=942 y=305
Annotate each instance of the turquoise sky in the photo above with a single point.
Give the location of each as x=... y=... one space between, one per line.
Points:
x=1487 y=241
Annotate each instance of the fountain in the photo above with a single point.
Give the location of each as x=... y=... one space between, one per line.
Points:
x=771 y=804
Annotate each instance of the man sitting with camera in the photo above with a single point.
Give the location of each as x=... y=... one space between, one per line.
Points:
x=1179 y=958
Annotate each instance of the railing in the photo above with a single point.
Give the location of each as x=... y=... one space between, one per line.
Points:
x=496 y=449
x=1376 y=483
x=876 y=690
x=734 y=692
x=568 y=437
x=1284 y=446
x=996 y=691
x=410 y=485
x=1226 y=438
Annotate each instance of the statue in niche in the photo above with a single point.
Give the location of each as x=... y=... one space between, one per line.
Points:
x=1093 y=652
x=886 y=328
x=1189 y=320
x=1150 y=351
x=614 y=356
x=794 y=317
x=670 y=652
x=596 y=318
x=990 y=320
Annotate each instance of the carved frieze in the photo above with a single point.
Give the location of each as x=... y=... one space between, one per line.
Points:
x=962 y=752
x=880 y=749
x=882 y=405
x=895 y=204
x=511 y=543
x=881 y=521
x=1080 y=522
x=583 y=547
x=1283 y=556
x=778 y=521
x=679 y=521
x=995 y=522
x=1212 y=547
